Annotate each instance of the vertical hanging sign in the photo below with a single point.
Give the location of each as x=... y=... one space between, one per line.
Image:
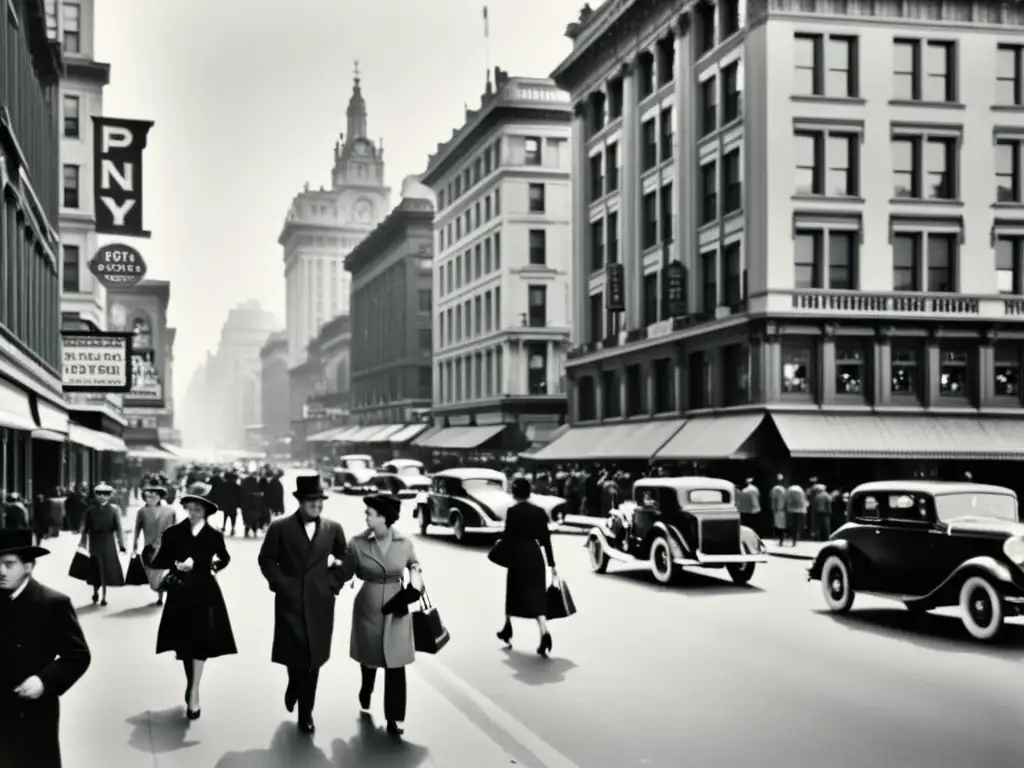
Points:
x=615 y=287
x=117 y=178
x=674 y=283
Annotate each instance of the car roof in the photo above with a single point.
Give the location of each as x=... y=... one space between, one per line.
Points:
x=356 y=456
x=685 y=483
x=934 y=487
x=405 y=462
x=467 y=473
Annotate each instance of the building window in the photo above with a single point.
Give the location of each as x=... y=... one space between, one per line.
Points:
x=478 y=315
x=827 y=163
x=1008 y=165
x=736 y=371
x=615 y=99
x=929 y=80
x=1009 y=69
x=730 y=18
x=72 y=116
x=497 y=251
x=596 y=316
x=596 y=179
x=666 y=60
x=611 y=167
x=613 y=237
x=709 y=192
x=533 y=153
x=72 y=18
x=611 y=389
x=538 y=247
x=925 y=167
x=597 y=245
x=666 y=218
x=699 y=381
x=650 y=299
x=905 y=380
x=634 y=391
x=649 y=231
x=851 y=373
x=733 y=181
x=667 y=133
x=709 y=278
x=906 y=262
x=733 y=275
x=1006 y=375
x=649 y=144
x=645 y=74
x=810 y=268
x=71 y=179
x=664 y=375
x=1009 y=253
x=586 y=394
x=426 y=339
x=954 y=372
x=705 y=27
x=536 y=367
x=942 y=263
x=72 y=281
x=478 y=262
x=425 y=301
x=825 y=66
x=797 y=367
x=709 y=105
x=537 y=316
x=732 y=93
x=536 y=198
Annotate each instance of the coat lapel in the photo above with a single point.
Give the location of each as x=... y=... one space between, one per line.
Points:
x=317 y=544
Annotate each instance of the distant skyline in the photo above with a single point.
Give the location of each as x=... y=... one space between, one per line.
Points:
x=248 y=100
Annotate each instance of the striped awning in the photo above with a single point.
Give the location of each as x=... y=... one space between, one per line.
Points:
x=407 y=433
x=638 y=441
x=712 y=437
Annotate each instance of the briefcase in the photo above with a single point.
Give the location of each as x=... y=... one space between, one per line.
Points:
x=560 y=604
x=428 y=631
x=136 y=574
x=84 y=568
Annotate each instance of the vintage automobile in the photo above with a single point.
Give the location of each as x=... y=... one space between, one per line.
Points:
x=403 y=477
x=677 y=523
x=929 y=545
x=354 y=474
x=474 y=500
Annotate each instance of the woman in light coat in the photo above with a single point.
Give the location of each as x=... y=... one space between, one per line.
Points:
x=153 y=518
x=379 y=557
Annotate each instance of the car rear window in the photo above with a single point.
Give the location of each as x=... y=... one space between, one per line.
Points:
x=988 y=506
x=708 y=496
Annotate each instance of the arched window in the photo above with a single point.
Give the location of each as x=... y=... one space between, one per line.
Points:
x=142 y=333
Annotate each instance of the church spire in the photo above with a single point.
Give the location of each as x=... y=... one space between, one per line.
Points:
x=356 y=109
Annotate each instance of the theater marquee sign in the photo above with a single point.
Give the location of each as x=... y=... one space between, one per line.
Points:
x=94 y=361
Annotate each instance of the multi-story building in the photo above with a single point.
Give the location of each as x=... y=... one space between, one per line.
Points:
x=797 y=233
x=274 y=393
x=502 y=266
x=321 y=228
x=326 y=388
x=391 y=318
x=32 y=407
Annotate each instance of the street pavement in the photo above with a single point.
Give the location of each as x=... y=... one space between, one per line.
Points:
x=704 y=673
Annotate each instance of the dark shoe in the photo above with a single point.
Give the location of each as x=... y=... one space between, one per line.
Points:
x=506 y=634
x=545 y=644
x=193 y=714
x=364 y=700
x=290 y=699
x=95 y=599
x=103 y=602
x=306 y=724
x=393 y=729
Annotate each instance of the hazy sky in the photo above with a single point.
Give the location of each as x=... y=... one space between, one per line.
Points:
x=248 y=97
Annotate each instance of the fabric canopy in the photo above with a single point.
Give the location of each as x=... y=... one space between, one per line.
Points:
x=385 y=433
x=712 y=437
x=407 y=433
x=15 y=408
x=630 y=441
x=461 y=438
x=149 y=453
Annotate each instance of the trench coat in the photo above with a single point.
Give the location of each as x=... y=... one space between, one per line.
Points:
x=778 y=500
x=304 y=589
x=102 y=535
x=527 y=540
x=378 y=640
x=39 y=635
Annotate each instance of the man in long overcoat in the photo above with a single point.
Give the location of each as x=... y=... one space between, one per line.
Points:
x=43 y=654
x=297 y=559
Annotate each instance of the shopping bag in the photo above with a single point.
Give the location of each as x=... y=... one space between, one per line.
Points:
x=136 y=574
x=499 y=554
x=84 y=568
x=428 y=631
x=560 y=604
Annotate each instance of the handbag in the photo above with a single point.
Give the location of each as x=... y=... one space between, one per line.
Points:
x=84 y=568
x=136 y=574
x=499 y=554
x=429 y=634
x=560 y=604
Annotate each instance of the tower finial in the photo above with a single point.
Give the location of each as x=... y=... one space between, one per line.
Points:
x=355 y=71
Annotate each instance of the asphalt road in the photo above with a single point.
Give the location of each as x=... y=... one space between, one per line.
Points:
x=703 y=674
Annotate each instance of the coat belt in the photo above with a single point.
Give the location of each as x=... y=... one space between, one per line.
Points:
x=385 y=580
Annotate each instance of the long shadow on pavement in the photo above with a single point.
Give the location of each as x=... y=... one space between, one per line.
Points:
x=537 y=670
x=158 y=732
x=152 y=609
x=930 y=630
x=372 y=747
x=694 y=584
x=288 y=749
x=446 y=538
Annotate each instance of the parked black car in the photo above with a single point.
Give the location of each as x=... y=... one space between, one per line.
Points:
x=929 y=545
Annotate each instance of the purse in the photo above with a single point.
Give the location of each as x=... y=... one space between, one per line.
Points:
x=429 y=634
x=136 y=574
x=560 y=604
x=84 y=568
x=499 y=554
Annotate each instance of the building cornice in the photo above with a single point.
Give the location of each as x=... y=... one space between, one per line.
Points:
x=392 y=231
x=86 y=70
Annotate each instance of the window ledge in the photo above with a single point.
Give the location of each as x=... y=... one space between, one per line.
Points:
x=922 y=103
x=926 y=201
x=853 y=101
x=1018 y=108
x=831 y=199
x=1006 y=205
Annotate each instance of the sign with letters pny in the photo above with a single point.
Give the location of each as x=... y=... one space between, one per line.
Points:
x=117 y=175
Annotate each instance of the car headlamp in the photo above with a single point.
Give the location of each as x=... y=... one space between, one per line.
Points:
x=1014 y=549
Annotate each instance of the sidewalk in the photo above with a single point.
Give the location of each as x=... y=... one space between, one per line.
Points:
x=802 y=550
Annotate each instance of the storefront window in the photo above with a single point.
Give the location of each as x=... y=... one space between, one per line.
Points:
x=736 y=368
x=1007 y=372
x=906 y=369
x=953 y=372
x=851 y=367
x=797 y=367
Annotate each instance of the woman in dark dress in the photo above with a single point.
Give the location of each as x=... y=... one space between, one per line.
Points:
x=102 y=538
x=527 y=542
x=195 y=623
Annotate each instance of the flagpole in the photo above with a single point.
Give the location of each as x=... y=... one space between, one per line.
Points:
x=487 y=44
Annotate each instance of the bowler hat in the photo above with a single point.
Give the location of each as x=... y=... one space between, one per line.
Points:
x=21 y=543
x=309 y=487
x=155 y=488
x=197 y=493
x=388 y=507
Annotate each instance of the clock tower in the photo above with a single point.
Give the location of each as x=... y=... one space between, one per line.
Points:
x=358 y=174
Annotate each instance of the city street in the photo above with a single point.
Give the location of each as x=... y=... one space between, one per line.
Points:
x=700 y=674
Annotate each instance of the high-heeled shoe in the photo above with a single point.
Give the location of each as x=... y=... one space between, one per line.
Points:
x=394 y=729
x=193 y=714
x=96 y=599
x=545 y=644
x=505 y=635
x=364 y=700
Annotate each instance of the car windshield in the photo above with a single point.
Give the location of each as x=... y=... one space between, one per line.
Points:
x=476 y=483
x=990 y=506
x=357 y=464
x=409 y=469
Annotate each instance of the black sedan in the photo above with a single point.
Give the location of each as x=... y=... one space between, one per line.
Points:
x=929 y=545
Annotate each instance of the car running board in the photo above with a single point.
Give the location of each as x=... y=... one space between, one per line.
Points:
x=724 y=559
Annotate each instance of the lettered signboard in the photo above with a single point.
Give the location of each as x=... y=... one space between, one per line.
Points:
x=117 y=180
x=118 y=266
x=95 y=361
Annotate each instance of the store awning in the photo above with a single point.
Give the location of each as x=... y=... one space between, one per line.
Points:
x=49 y=436
x=712 y=437
x=635 y=441
x=149 y=453
x=464 y=438
x=384 y=435
x=326 y=435
x=15 y=408
x=871 y=436
x=545 y=433
x=407 y=433
x=424 y=439
x=342 y=434
x=52 y=418
x=363 y=434
x=87 y=438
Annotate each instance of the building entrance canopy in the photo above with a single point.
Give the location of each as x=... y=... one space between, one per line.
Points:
x=634 y=441
x=708 y=438
x=460 y=438
x=15 y=408
x=407 y=433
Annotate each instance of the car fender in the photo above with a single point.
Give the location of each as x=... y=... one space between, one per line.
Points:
x=597 y=533
x=983 y=565
x=676 y=542
x=473 y=514
x=751 y=541
x=839 y=547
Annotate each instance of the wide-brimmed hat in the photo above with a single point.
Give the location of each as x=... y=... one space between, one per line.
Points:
x=387 y=506
x=154 y=488
x=308 y=487
x=102 y=488
x=198 y=493
x=21 y=543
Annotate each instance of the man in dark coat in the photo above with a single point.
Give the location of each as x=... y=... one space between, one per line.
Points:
x=228 y=496
x=252 y=505
x=44 y=653
x=297 y=559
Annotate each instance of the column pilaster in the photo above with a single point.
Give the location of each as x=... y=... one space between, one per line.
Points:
x=630 y=199
x=685 y=157
x=581 y=331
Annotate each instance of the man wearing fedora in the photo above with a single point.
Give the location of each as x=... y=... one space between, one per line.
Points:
x=44 y=653
x=297 y=559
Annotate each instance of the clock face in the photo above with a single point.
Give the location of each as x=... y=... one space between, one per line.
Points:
x=363 y=211
x=361 y=148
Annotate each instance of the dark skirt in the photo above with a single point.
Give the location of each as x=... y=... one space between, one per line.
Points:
x=195 y=622
x=103 y=549
x=526 y=583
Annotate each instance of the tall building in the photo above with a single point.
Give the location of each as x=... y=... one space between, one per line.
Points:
x=501 y=273
x=31 y=399
x=808 y=246
x=391 y=314
x=326 y=387
x=274 y=393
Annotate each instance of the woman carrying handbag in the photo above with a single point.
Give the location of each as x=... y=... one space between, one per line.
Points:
x=103 y=538
x=526 y=550
x=153 y=518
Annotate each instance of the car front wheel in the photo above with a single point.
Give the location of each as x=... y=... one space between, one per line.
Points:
x=598 y=558
x=662 y=566
x=458 y=527
x=741 y=573
x=835 y=584
x=981 y=607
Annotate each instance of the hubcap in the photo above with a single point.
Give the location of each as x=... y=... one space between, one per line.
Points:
x=595 y=552
x=835 y=584
x=981 y=608
x=661 y=560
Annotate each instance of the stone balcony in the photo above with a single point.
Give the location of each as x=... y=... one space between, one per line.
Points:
x=110 y=403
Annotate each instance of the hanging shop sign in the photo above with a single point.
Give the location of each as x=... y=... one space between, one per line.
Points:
x=95 y=361
x=675 y=289
x=118 y=266
x=146 y=384
x=117 y=182
x=615 y=287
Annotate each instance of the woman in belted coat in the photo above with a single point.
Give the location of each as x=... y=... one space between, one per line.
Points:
x=102 y=537
x=379 y=556
x=195 y=623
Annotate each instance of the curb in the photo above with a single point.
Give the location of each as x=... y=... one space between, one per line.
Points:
x=791 y=556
